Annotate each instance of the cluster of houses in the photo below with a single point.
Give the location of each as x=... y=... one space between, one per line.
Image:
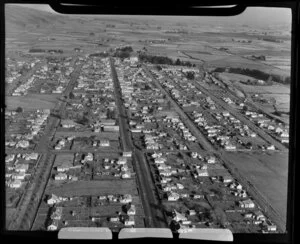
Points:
x=94 y=91
x=17 y=166
x=277 y=129
x=54 y=75
x=56 y=215
x=34 y=125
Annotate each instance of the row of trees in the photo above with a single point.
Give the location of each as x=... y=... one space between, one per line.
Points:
x=257 y=74
x=163 y=60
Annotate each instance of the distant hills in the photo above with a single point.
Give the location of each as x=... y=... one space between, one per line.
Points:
x=19 y=18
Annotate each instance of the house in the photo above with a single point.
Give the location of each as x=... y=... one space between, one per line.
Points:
x=201 y=172
x=9 y=158
x=191 y=212
x=226 y=179
x=57 y=213
x=126 y=175
x=211 y=160
x=22 y=144
x=122 y=161
x=62 y=168
x=127 y=198
x=31 y=156
x=284 y=134
x=61 y=176
x=178 y=216
x=172 y=196
x=18 y=176
x=15 y=184
x=104 y=143
x=111 y=128
x=179 y=186
x=131 y=210
x=127 y=154
x=130 y=221
x=271 y=147
x=22 y=168
x=67 y=123
x=114 y=219
x=259 y=215
x=159 y=160
x=246 y=204
x=53 y=225
x=230 y=147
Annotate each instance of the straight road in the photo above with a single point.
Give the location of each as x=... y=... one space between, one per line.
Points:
x=152 y=206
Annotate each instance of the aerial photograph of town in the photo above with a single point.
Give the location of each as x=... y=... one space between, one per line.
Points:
x=126 y=121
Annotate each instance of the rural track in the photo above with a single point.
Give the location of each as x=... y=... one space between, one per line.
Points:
x=147 y=191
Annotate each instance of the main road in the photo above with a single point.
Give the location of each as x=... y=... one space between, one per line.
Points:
x=154 y=216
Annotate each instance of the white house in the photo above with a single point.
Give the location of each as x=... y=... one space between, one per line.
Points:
x=172 y=196
x=131 y=210
x=104 y=143
x=15 y=184
x=53 y=225
x=127 y=198
x=22 y=168
x=61 y=176
x=130 y=221
x=247 y=204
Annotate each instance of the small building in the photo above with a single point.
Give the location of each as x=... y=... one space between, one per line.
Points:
x=61 y=176
x=246 y=204
x=178 y=216
x=104 y=143
x=130 y=221
x=226 y=179
x=127 y=154
x=22 y=168
x=15 y=184
x=131 y=210
x=53 y=225
x=172 y=196
x=67 y=123
x=111 y=128
x=127 y=198
x=19 y=176
x=57 y=213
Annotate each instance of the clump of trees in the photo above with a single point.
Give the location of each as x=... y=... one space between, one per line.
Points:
x=163 y=60
x=190 y=75
x=123 y=52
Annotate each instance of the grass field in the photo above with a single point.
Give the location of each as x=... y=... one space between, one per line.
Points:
x=31 y=101
x=268 y=173
x=95 y=188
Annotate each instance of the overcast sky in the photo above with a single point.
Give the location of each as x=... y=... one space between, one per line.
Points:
x=251 y=16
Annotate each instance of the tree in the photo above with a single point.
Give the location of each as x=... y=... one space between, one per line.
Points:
x=71 y=95
x=178 y=62
x=190 y=75
x=19 y=110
